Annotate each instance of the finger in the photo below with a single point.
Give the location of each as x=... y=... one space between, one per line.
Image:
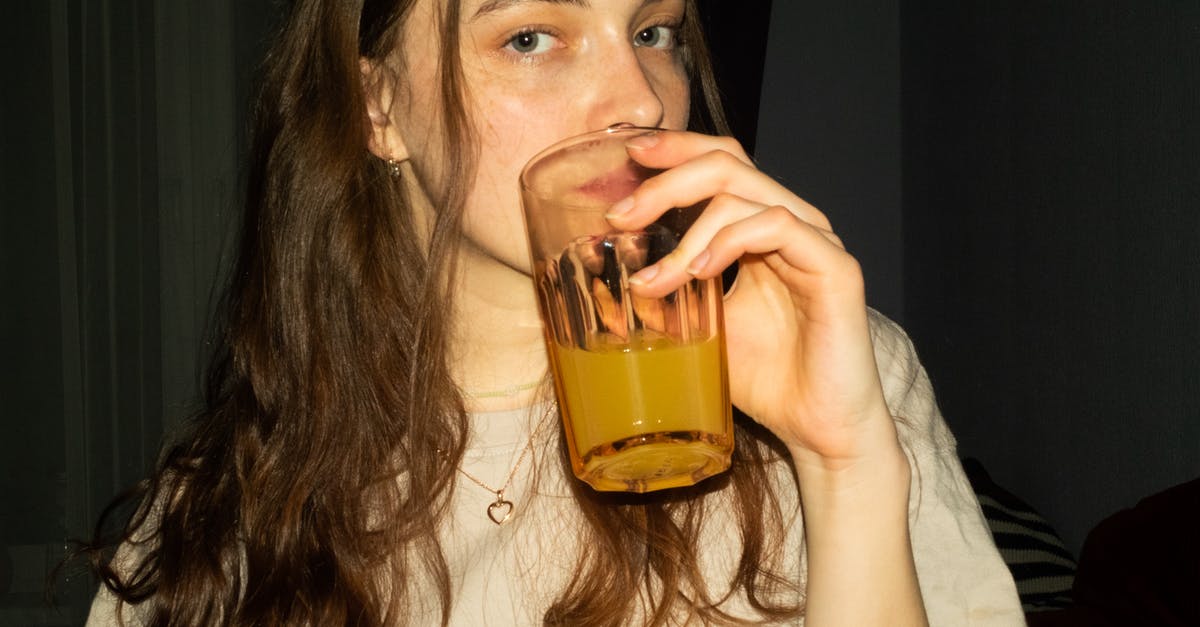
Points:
x=809 y=253
x=833 y=238
x=702 y=177
x=691 y=257
x=674 y=267
x=667 y=149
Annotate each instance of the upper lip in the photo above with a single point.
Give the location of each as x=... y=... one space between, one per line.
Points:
x=612 y=186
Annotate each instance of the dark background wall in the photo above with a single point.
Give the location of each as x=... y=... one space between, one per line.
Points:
x=120 y=127
x=1052 y=241
x=829 y=127
x=1021 y=182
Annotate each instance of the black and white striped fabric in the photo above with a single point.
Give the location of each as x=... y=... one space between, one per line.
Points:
x=1041 y=565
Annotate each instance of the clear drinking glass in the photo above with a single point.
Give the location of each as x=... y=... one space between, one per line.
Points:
x=642 y=382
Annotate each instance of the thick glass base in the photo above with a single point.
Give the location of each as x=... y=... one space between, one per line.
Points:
x=655 y=461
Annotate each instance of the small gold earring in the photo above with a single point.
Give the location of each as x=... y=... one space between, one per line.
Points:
x=393 y=168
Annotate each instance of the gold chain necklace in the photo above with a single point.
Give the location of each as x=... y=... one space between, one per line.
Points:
x=501 y=509
x=511 y=390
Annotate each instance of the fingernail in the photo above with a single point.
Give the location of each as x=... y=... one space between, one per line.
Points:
x=642 y=142
x=644 y=276
x=698 y=263
x=621 y=207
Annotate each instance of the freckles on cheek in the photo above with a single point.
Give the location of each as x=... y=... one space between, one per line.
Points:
x=511 y=130
x=519 y=128
x=675 y=95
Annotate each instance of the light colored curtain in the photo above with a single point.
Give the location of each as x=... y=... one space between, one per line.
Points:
x=121 y=122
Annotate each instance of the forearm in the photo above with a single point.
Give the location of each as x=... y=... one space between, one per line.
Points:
x=860 y=562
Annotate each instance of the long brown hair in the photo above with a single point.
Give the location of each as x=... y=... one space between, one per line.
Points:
x=334 y=340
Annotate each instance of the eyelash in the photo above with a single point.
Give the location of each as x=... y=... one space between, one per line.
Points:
x=527 y=30
x=675 y=26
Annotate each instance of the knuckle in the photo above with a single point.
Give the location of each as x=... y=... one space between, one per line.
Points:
x=820 y=220
x=732 y=147
x=723 y=159
x=842 y=275
x=848 y=270
x=729 y=235
x=723 y=201
x=779 y=216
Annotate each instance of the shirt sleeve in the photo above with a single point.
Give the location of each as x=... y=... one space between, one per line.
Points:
x=106 y=610
x=963 y=579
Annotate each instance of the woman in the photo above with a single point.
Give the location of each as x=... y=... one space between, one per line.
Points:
x=378 y=384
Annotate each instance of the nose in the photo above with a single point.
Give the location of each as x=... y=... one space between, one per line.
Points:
x=624 y=90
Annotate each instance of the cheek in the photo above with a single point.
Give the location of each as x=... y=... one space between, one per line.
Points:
x=677 y=110
x=674 y=90
x=509 y=132
x=513 y=128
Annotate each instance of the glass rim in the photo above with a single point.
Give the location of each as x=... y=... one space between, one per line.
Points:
x=611 y=131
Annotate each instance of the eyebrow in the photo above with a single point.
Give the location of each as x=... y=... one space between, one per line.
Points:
x=493 y=6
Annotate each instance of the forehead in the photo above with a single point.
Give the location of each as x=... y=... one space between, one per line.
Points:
x=425 y=15
x=484 y=6
x=476 y=8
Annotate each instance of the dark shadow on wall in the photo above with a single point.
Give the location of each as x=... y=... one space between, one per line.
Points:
x=737 y=35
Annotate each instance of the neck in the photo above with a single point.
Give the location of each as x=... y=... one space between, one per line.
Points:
x=496 y=344
x=498 y=347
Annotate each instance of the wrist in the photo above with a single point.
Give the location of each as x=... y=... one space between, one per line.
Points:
x=873 y=457
x=875 y=480
x=856 y=529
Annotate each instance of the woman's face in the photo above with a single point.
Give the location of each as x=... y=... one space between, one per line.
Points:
x=536 y=72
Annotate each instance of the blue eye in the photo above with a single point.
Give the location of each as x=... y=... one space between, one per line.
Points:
x=655 y=37
x=531 y=42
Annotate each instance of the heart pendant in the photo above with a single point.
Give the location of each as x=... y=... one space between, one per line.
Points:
x=500 y=511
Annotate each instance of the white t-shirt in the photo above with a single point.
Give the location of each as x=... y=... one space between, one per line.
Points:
x=508 y=574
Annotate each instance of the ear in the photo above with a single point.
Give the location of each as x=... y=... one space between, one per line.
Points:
x=384 y=139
